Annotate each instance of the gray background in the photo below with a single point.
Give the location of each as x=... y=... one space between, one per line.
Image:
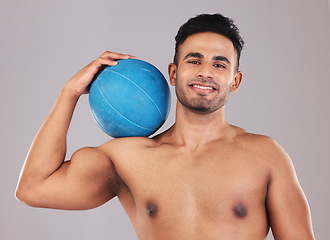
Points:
x=284 y=94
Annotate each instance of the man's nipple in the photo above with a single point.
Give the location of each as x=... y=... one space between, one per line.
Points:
x=240 y=210
x=151 y=209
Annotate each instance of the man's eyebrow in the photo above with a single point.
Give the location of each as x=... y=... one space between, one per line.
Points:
x=201 y=56
x=221 y=58
x=194 y=55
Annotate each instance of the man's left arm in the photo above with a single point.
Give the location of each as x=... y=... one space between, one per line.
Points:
x=287 y=206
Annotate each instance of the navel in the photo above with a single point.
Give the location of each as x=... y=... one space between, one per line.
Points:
x=240 y=210
x=151 y=209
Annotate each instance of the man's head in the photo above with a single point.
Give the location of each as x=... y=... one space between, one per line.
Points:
x=205 y=68
x=215 y=23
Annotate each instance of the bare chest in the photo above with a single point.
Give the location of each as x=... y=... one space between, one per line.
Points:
x=210 y=186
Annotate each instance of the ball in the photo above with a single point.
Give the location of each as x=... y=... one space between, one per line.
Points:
x=130 y=99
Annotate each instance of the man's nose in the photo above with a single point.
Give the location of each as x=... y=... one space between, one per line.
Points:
x=205 y=71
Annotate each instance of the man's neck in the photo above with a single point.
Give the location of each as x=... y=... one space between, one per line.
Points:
x=192 y=129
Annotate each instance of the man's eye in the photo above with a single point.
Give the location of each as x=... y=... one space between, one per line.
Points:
x=194 y=62
x=219 y=66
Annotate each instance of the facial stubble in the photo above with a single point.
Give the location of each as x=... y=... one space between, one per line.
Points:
x=201 y=104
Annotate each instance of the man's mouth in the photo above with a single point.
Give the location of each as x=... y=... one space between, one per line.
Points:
x=202 y=87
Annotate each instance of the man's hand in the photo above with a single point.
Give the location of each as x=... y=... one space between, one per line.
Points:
x=79 y=83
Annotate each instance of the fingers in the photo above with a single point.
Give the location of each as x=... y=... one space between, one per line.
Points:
x=109 y=58
x=80 y=82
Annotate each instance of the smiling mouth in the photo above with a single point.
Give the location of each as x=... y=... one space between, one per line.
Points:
x=202 y=87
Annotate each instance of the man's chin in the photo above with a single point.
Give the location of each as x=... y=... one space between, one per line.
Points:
x=200 y=110
x=203 y=106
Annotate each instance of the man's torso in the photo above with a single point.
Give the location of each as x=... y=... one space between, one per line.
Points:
x=216 y=191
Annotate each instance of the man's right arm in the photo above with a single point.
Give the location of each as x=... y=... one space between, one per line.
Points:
x=83 y=182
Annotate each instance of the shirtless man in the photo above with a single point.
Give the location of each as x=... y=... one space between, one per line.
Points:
x=201 y=179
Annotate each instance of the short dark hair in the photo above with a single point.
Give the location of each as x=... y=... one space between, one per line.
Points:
x=215 y=23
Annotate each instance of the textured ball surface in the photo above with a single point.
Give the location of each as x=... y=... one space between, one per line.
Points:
x=130 y=99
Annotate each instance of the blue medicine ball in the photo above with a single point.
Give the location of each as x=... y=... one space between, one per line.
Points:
x=130 y=99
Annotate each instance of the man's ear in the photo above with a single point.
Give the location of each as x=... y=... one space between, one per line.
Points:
x=237 y=81
x=172 y=73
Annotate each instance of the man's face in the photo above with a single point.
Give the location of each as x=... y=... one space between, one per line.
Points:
x=205 y=72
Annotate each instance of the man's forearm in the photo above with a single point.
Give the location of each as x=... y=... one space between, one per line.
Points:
x=48 y=149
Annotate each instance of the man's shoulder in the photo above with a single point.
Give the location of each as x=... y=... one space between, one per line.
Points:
x=266 y=151
x=262 y=144
x=254 y=138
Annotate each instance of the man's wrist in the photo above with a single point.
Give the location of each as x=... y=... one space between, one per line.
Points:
x=69 y=92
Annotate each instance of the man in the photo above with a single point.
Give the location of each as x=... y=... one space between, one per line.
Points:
x=200 y=179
